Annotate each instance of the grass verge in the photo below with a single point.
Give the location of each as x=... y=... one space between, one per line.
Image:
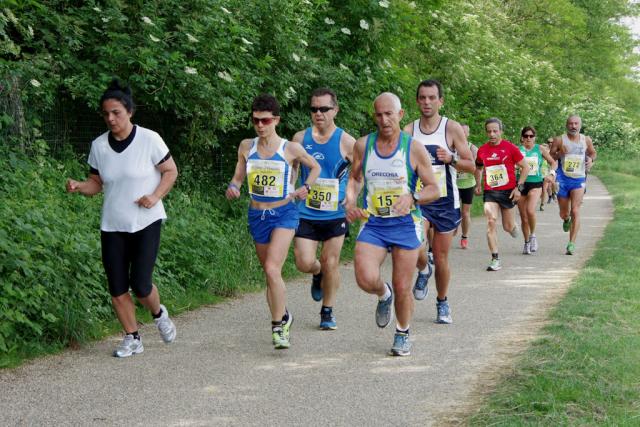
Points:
x=584 y=369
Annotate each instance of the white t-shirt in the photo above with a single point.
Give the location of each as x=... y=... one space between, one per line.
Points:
x=126 y=177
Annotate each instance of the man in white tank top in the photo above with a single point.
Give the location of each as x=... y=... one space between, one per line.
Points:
x=449 y=151
x=575 y=154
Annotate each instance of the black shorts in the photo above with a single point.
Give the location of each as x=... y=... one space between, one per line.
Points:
x=129 y=258
x=323 y=230
x=530 y=186
x=466 y=195
x=500 y=197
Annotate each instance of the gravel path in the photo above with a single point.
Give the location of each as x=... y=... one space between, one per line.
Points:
x=222 y=369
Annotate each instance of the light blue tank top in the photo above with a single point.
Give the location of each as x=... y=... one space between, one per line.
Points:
x=268 y=179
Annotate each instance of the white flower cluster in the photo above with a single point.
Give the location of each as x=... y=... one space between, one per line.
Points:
x=190 y=70
x=225 y=76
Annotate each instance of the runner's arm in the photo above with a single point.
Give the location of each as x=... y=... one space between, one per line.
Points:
x=233 y=189
x=552 y=162
x=356 y=181
x=421 y=163
x=556 y=147
x=591 y=153
x=300 y=155
x=347 y=143
x=90 y=187
x=478 y=175
x=465 y=161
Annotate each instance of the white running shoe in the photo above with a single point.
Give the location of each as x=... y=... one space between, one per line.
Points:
x=533 y=243
x=129 y=346
x=165 y=326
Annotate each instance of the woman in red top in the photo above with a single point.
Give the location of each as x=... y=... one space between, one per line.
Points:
x=501 y=190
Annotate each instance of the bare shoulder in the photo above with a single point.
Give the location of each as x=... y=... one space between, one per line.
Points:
x=299 y=136
x=408 y=128
x=346 y=138
x=245 y=145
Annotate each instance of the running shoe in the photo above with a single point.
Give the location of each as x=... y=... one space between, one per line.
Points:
x=328 y=321
x=541 y=207
x=527 y=248
x=316 y=287
x=401 y=344
x=286 y=326
x=280 y=341
x=444 y=312
x=420 y=288
x=464 y=243
x=566 y=224
x=571 y=247
x=129 y=346
x=495 y=265
x=383 y=310
x=165 y=326
x=533 y=241
x=514 y=231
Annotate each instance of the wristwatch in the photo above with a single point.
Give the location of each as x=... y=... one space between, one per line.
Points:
x=521 y=187
x=416 y=197
x=307 y=186
x=454 y=159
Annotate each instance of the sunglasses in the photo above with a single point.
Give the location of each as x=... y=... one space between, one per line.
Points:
x=321 y=109
x=528 y=136
x=266 y=121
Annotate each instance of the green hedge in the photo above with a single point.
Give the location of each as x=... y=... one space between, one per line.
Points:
x=52 y=286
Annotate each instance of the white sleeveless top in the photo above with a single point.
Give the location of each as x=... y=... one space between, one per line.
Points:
x=445 y=173
x=572 y=163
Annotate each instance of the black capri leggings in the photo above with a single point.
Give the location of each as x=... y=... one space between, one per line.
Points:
x=129 y=258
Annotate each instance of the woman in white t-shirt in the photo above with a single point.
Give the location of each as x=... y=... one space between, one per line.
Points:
x=133 y=167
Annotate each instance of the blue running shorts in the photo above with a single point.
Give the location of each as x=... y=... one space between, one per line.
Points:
x=263 y=221
x=442 y=220
x=566 y=186
x=404 y=232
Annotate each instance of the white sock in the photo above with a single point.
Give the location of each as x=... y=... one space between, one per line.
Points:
x=402 y=330
x=425 y=270
x=387 y=294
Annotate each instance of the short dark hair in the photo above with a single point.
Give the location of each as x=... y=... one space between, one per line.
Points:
x=493 y=120
x=266 y=102
x=528 y=128
x=431 y=83
x=121 y=93
x=322 y=91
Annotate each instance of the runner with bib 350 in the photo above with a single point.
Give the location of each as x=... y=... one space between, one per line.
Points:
x=322 y=216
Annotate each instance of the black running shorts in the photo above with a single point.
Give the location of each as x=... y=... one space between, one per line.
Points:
x=466 y=195
x=530 y=186
x=129 y=258
x=321 y=231
x=500 y=197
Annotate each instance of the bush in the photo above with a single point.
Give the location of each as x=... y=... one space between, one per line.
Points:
x=53 y=289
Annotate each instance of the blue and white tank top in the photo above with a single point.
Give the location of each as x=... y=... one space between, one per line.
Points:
x=387 y=178
x=327 y=193
x=445 y=174
x=572 y=163
x=268 y=179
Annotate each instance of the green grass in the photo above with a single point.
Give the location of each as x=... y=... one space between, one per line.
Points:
x=585 y=370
